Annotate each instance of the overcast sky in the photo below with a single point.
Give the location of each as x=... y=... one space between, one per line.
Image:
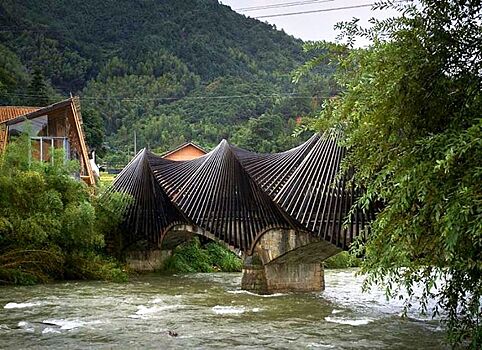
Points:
x=312 y=26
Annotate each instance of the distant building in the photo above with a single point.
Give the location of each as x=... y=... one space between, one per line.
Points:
x=58 y=126
x=186 y=151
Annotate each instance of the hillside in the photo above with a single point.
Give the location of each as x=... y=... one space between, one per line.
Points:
x=170 y=70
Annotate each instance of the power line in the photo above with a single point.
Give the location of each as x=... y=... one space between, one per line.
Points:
x=281 y=5
x=220 y=97
x=315 y=11
x=6 y=29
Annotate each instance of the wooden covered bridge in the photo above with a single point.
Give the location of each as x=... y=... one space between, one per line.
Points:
x=284 y=212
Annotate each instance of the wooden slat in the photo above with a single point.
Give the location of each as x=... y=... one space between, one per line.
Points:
x=237 y=195
x=3 y=138
x=81 y=138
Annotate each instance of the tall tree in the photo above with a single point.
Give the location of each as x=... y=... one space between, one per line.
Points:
x=37 y=94
x=411 y=111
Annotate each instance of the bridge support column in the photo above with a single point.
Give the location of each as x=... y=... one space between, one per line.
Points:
x=282 y=277
x=254 y=276
x=290 y=277
x=286 y=261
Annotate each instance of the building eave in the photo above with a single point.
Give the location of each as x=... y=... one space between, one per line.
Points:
x=180 y=147
x=39 y=112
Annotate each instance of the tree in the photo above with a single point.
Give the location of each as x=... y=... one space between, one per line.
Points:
x=37 y=90
x=94 y=129
x=13 y=76
x=411 y=112
x=51 y=225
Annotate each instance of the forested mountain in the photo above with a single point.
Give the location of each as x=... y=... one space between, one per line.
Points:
x=170 y=70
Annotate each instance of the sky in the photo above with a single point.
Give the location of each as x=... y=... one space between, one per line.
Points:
x=311 y=26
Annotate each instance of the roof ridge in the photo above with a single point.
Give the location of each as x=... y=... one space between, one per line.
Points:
x=182 y=145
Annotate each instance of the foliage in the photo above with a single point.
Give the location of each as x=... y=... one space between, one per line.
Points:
x=37 y=90
x=342 y=260
x=12 y=75
x=92 y=266
x=411 y=112
x=223 y=259
x=191 y=256
x=169 y=73
x=29 y=266
x=51 y=226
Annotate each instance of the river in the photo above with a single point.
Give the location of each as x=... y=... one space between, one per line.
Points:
x=207 y=311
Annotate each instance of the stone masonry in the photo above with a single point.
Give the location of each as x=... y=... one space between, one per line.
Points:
x=286 y=261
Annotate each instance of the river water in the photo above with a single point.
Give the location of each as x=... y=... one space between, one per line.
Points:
x=207 y=311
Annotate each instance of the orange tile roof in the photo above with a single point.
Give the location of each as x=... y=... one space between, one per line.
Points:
x=11 y=112
x=181 y=147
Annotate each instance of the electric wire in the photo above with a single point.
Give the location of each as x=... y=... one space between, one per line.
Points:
x=7 y=29
x=281 y=5
x=340 y=8
x=220 y=97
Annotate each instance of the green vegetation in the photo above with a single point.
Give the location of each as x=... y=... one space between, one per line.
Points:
x=106 y=180
x=342 y=260
x=194 y=257
x=411 y=111
x=51 y=225
x=160 y=68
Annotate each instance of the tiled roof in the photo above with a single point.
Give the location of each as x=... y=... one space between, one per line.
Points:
x=10 y=112
x=184 y=145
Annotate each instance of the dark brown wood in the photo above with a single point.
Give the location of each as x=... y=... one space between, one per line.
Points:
x=237 y=195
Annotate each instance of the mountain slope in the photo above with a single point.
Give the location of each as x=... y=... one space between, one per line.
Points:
x=210 y=38
x=135 y=62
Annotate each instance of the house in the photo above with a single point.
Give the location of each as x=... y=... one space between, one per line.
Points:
x=186 y=151
x=58 y=126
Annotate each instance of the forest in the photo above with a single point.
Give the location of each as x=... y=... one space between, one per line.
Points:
x=161 y=69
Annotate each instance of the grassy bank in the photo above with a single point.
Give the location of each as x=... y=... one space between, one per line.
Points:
x=193 y=256
x=106 y=179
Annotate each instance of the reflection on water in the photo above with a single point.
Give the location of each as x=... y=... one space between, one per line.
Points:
x=207 y=311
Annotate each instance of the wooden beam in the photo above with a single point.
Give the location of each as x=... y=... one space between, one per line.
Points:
x=75 y=106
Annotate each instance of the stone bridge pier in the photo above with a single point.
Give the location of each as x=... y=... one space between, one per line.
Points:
x=285 y=260
x=281 y=260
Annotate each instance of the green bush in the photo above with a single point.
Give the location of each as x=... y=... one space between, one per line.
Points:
x=51 y=225
x=222 y=259
x=91 y=266
x=193 y=257
x=29 y=266
x=341 y=261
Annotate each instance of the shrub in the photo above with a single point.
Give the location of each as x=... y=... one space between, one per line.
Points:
x=193 y=257
x=51 y=225
x=341 y=261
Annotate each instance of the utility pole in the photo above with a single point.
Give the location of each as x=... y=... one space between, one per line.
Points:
x=135 y=143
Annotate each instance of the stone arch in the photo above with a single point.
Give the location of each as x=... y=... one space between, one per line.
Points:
x=281 y=245
x=178 y=233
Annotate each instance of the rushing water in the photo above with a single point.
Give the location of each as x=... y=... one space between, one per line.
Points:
x=207 y=311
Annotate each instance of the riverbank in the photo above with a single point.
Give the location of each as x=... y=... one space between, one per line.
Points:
x=193 y=256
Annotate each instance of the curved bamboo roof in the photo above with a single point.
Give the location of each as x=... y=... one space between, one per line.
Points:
x=237 y=195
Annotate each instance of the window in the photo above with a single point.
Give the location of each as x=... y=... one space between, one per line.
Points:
x=43 y=140
x=34 y=127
